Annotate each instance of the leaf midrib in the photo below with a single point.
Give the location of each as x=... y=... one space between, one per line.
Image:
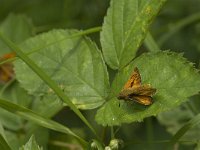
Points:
x=75 y=75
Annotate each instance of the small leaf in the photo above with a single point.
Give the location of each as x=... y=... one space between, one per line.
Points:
x=17 y=95
x=184 y=115
x=125 y=27
x=172 y=75
x=96 y=145
x=189 y=125
x=74 y=63
x=17 y=28
x=31 y=145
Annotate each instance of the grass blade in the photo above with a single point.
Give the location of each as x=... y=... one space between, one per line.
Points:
x=36 y=118
x=3 y=144
x=193 y=122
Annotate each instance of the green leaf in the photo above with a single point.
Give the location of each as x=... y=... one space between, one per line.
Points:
x=14 y=124
x=19 y=96
x=96 y=145
x=190 y=124
x=46 y=78
x=17 y=28
x=124 y=29
x=31 y=145
x=186 y=115
x=3 y=144
x=172 y=75
x=74 y=63
x=36 y=118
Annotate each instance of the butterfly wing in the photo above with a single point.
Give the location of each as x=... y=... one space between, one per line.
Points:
x=134 y=81
x=142 y=99
x=146 y=90
x=6 y=69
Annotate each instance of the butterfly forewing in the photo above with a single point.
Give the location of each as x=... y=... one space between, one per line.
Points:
x=134 y=81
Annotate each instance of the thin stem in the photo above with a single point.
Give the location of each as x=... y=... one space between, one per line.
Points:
x=7 y=85
x=65 y=145
x=112 y=132
x=149 y=127
x=81 y=33
x=178 y=26
x=151 y=44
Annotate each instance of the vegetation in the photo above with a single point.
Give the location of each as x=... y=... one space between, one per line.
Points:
x=63 y=64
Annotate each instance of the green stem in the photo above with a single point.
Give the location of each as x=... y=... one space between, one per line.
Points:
x=149 y=128
x=7 y=85
x=80 y=33
x=46 y=79
x=112 y=132
x=178 y=26
x=151 y=44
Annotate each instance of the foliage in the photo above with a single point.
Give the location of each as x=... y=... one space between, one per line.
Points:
x=59 y=72
x=31 y=145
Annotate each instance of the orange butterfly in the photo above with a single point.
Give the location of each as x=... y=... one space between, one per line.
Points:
x=6 y=69
x=133 y=90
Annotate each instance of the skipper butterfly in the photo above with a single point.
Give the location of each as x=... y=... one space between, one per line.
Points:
x=133 y=90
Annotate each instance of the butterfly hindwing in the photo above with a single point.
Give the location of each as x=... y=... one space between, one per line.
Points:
x=142 y=99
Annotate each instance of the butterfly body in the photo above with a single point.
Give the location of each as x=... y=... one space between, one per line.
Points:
x=133 y=90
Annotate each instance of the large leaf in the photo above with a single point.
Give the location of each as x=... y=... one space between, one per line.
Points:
x=17 y=28
x=125 y=27
x=74 y=63
x=172 y=75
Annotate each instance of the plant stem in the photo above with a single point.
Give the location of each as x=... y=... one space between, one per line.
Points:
x=151 y=44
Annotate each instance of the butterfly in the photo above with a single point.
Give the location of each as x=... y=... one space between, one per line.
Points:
x=133 y=90
x=6 y=69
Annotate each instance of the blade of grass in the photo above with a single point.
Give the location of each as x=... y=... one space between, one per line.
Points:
x=46 y=79
x=193 y=122
x=4 y=144
x=81 y=33
x=36 y=118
